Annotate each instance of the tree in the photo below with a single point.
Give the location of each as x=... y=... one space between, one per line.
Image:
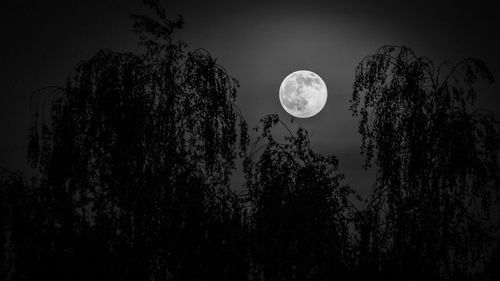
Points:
x=300 y=210
x=437 y=166
x=136 y=155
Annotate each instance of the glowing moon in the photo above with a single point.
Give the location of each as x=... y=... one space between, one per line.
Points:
x=303 y=94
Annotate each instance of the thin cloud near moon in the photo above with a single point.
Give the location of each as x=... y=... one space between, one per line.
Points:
x=303 y=94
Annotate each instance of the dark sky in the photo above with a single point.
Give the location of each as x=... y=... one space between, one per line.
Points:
x=258 y=42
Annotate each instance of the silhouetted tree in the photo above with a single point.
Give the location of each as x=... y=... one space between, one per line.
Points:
x=136 y=155
x=437 y=167
x=300 y=209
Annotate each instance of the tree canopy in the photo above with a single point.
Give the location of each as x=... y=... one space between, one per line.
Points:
x=300 y=209
x=437 y=164
x=137 y=152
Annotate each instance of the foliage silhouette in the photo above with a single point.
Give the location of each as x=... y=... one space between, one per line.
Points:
x=437 y=167
x=300 y=210
x=137 y=156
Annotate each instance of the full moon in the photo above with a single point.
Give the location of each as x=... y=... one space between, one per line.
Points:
x=303 y=94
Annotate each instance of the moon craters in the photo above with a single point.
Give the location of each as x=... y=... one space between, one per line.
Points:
x=303 y=94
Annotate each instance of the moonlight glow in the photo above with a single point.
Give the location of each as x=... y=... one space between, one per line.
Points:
x=303 y=94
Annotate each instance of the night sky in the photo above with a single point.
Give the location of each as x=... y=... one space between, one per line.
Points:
x=258 y=43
